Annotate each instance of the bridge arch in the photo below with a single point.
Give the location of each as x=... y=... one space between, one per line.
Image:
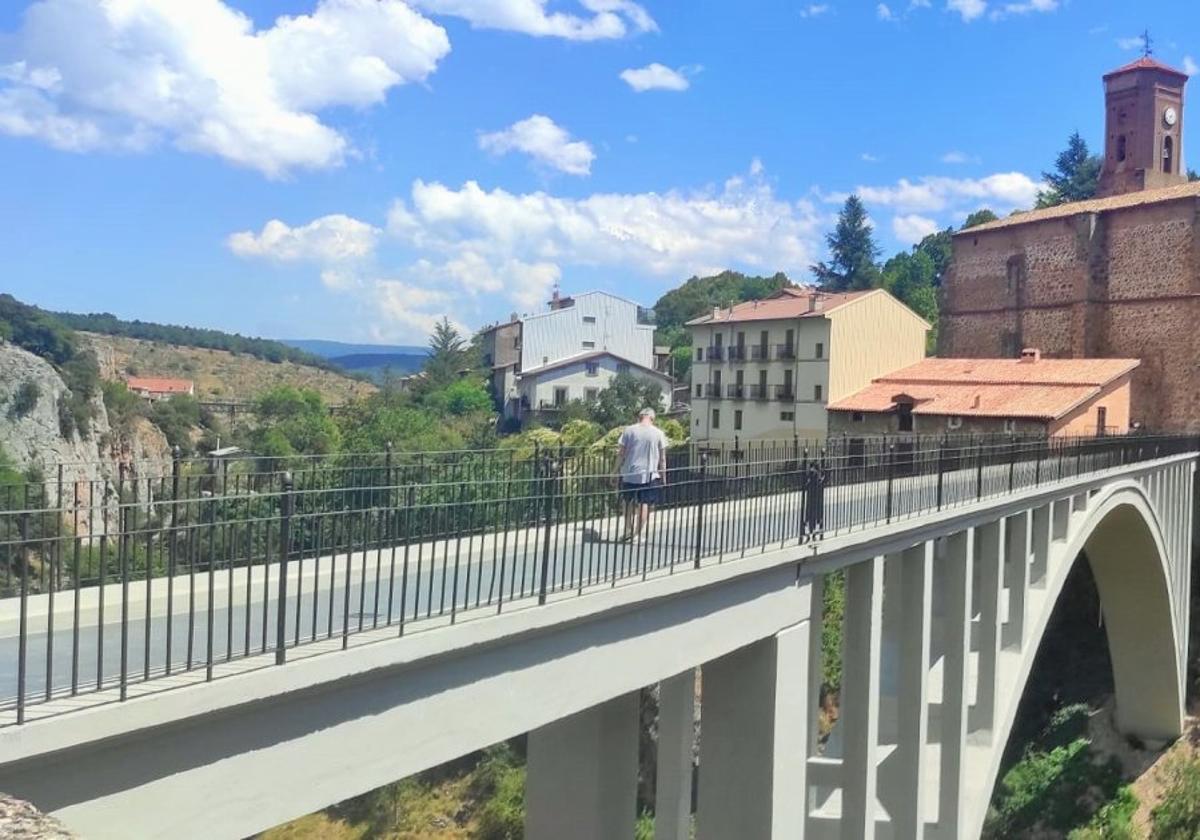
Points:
x=1124 y=538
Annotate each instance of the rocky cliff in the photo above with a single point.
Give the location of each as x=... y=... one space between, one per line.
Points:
x=31 y=394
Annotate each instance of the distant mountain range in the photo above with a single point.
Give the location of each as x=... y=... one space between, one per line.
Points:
x=372 y=359
x=334 y=349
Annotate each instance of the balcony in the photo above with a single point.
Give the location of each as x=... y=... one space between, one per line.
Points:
x=737 y=353
x=714 y=354
x=713 y=392
x=785 y=393
x=756 y=392
x=760 y=353
x=785 y=352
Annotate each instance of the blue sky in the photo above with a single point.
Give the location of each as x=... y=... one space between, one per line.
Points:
x=355 y=169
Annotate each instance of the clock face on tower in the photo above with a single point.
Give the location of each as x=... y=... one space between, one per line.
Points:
x=1169 y=117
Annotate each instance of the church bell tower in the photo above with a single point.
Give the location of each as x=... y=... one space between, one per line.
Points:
x=1143 y=135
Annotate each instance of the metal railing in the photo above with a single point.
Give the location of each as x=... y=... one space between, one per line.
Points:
x=760 y=352
x=714 y=353
x=737 y=353
x=785 y=393
x=785 y=351
x=117 y=583
x=712 y=391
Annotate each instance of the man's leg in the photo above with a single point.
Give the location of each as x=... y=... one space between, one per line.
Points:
x=630 y=514
x=643 y=517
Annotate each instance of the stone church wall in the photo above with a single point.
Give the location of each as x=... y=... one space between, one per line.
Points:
x=1144 y=259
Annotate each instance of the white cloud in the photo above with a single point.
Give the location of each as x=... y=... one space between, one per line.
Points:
x=912 y=228
x=814 y=10
x=968 y=9
x=867 y=157
x=467 y=249
x=1002 y=191
x=1025 y=7
x=1134 y=42
x=955 y=157
x=1190 y=66
x=668 y=234
x=329 y=239
x=608 y=18
x=545 y=141
x=654 y=77
x=883 y=12
x=131 y=74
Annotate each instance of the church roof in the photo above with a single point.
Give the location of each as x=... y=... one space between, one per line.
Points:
x=1042 y=389
x=1092 y=205
x=1145 y=63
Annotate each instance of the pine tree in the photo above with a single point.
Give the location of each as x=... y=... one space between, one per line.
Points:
x=852 y=251
x=447 y=355
x=1075 y=177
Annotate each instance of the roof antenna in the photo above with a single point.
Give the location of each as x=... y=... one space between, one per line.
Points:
x=1147 y=44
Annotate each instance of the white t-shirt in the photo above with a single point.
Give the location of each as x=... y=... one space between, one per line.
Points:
x=644 y=446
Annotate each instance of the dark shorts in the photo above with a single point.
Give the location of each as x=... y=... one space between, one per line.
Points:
x=642 y=494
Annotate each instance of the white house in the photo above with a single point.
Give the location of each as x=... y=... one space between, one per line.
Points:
x=571 y=351
x=550 y=387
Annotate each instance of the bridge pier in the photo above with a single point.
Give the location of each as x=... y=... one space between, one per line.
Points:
x=754 y=740
x=581 y=774
x=676 y=735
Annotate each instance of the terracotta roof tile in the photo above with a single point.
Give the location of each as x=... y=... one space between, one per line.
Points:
x=1092 y=205
x=159 y=385
x=790 y=302
x=1046 y=389
x=1145 y=63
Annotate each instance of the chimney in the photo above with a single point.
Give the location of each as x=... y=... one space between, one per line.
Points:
x=814 y=301
x=554 y=299
x=975 y=402
x=716 y=312
x=1030 y=355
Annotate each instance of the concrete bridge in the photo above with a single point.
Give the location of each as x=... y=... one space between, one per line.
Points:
x=951 y=576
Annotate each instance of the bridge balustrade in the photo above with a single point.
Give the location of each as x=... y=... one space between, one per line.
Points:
x=111 y=584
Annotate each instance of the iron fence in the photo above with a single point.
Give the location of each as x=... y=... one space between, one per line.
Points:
x=182 y=567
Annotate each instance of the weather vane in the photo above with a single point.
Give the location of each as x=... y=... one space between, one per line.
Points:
x=1147 y=44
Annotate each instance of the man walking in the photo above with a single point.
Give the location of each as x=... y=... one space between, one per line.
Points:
x=641 y=471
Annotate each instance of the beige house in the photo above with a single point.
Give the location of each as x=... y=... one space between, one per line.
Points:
x=767 y=369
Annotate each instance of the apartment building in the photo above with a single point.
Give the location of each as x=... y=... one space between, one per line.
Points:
x=767 y=369
x=541 y=362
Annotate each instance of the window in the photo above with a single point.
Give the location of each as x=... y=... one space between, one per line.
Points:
x=953 y=422
x=590 y=394
x=622 y=367
x=1168 y=154
x=1010 y=427
x=589 y=319
x=593 y=368
x=857 y=417
x=1101 y=420
x=820 y=350
x=699 y=390
x=1121 y=147
x=737 y=420
x=697 y=419
x=787 y=416
x=588 y=345
x=818 y=393
x=560 y=396
x=716 y=418
x=699 y=354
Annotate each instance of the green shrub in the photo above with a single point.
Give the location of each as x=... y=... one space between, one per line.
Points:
x=643 y=829
x=499 y=782
x=24 y=399
x=1177 y=816
x=122 y=405
x=1112 y=822
x=831 y=631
